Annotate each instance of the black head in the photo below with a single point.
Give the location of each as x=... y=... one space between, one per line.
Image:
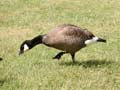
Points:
x=24 y=46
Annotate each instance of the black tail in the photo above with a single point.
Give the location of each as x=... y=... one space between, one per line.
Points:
x=101 y=40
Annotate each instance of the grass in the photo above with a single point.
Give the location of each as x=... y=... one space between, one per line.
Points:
x=97 y=67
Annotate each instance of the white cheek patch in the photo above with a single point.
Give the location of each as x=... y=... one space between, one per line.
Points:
x=95 y=38
x=91 y=41
x=26 y=47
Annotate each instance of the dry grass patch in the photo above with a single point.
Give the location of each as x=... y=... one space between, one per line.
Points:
x=15 y=33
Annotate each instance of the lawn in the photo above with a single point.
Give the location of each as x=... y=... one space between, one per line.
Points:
x=97 y=67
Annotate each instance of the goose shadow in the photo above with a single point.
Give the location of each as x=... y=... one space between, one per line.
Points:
x=89 y=63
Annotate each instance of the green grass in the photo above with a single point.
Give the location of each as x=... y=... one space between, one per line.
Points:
x=97 y=66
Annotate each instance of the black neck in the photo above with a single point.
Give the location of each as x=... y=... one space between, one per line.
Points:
x=36 y=40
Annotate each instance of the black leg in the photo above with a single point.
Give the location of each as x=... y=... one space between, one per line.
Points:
x=59 y=55
x=73 y=57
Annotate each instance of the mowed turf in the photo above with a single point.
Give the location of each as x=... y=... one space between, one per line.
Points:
x=97 y=67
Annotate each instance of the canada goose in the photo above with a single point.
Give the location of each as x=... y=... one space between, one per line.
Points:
x=68 y=38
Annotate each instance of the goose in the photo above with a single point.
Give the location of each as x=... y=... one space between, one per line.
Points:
x=66 y=37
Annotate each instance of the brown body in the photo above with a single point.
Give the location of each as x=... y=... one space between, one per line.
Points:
x=66 y=37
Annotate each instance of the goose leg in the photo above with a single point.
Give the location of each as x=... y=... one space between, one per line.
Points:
x=73 y=57
x=59 y=55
